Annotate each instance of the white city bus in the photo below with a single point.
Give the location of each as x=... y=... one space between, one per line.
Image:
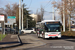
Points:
x=49 y=28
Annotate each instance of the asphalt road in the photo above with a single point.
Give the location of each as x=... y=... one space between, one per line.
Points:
x=65 y=43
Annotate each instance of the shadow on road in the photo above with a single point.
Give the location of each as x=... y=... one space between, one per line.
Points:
x=5 y=45
x=8 y=45
x=71 y=40
x=2 y=43
x=66 y=38
x=25 y=34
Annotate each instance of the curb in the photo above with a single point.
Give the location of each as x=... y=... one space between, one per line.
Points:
x=19 y=40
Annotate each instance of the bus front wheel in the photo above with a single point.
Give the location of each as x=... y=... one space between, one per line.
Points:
x=43 y=36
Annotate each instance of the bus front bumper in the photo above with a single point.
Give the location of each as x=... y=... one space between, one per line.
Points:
x=53 y=36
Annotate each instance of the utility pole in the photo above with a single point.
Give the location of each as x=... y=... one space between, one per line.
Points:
x=41 y=15
x=70 y=17
x=22 y=17
x=63 y=16
x=19 y=16
x=53 y=14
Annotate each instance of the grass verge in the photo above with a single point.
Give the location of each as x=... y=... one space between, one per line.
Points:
x=69 y=33
x=2 y=36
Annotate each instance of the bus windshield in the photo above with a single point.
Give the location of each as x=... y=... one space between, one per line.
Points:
x=52 y=27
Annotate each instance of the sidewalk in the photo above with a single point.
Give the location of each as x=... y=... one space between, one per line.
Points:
x=28 y=41
x=9 y=41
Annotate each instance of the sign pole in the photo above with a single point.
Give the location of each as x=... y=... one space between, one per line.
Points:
x=4 y=25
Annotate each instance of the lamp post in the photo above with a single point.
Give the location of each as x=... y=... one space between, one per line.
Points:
x=53 y=14
x=19 y=16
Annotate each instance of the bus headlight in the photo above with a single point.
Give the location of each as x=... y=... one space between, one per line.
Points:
x=59 y=34
x=46 y=34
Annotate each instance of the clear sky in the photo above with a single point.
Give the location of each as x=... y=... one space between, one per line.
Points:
x=35 y=4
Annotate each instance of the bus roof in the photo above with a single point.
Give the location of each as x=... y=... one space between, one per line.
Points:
x=49 y=21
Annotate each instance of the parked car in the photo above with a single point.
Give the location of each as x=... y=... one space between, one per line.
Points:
x=10 y=30
x=7 y=29
x=13 y=31
x=73 y=28
x=28 y=30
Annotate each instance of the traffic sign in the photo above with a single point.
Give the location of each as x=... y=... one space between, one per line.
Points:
x=1 y=17
x=11 y=17
x=11 y=20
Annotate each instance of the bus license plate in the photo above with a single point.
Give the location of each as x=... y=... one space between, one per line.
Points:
x=53 y=36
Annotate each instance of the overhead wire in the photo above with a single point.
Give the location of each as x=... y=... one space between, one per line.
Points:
x=30 y=3
x=47 y=3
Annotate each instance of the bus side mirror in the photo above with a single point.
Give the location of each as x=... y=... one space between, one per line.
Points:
x=60 y=24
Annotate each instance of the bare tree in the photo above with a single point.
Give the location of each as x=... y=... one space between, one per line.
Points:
x=11 y=10
x=42 y=13
x=38 y=16
x=8 y=9
x=69 y=10
x=1 y=10
x=14 y=8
